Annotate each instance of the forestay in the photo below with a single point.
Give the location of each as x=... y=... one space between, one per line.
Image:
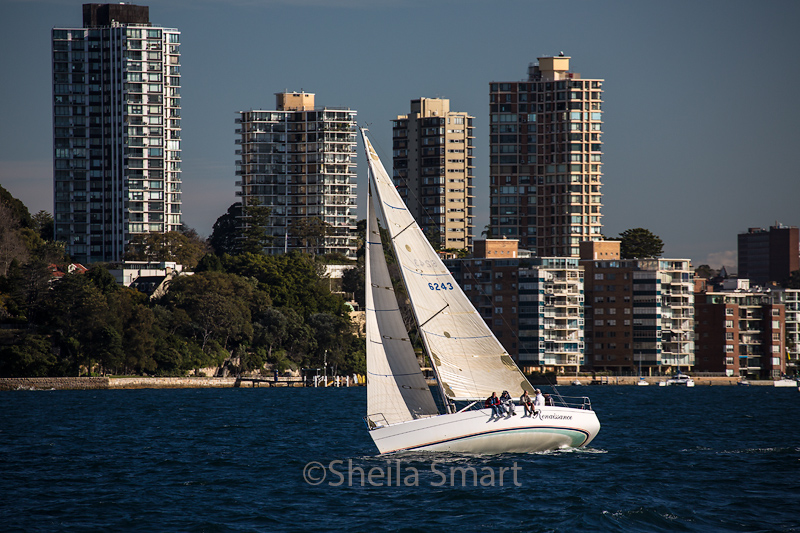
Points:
x=396 y=387
x=470 y=362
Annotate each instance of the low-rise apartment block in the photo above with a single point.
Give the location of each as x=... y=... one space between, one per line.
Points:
x=740 y=332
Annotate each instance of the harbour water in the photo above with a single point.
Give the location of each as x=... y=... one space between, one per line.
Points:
x=224 y=460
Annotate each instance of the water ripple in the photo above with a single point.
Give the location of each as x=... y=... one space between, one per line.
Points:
x=232 y=460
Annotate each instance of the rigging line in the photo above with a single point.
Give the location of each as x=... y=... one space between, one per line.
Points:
x=402 y=230
x=434 y=316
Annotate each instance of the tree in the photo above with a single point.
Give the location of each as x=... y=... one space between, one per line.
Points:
x=434 y=236
x=43 y=224
x=26 y=355
x=225 y=232
x=705 y=271
x=218 y=306
x=254 y=236
x=640 y=243
x=12 y=246
x=311 y=233
x=18 y=209
x=209 y=263
x=170 y=246
x=794 y=280
x=353 y=281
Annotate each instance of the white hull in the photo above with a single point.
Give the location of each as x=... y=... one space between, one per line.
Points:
x=785 y=383
x=685 y=382
x=479 y=432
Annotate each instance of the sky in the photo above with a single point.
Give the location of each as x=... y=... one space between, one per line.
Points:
x=700 y=111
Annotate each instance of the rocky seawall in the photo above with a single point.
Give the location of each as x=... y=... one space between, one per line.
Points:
x=86 y=383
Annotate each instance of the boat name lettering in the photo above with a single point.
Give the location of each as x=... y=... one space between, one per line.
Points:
x=556 y=416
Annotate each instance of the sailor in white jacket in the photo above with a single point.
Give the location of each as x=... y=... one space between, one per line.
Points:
x=538 y=402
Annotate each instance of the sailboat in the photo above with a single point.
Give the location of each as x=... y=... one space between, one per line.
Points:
x=468 y=360
x=642 y=382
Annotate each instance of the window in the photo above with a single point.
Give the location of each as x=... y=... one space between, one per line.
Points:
x=729 y=323
x=729 y=348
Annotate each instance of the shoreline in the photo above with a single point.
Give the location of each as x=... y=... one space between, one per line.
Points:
x=190 y=382
x=654 y=380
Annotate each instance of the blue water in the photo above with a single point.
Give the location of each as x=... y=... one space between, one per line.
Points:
x=220 y=460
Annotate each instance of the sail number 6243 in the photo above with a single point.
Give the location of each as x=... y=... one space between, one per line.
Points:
x=444 y=286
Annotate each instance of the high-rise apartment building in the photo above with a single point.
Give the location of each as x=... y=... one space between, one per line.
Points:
x=116 y=131
x=434 y=170
x=546 y=159
x=769 y=255
x=299 y=160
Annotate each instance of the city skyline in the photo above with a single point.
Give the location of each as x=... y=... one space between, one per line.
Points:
x=692 y=144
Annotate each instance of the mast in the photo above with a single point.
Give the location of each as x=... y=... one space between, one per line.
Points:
x=469 y=362
x=445 y=400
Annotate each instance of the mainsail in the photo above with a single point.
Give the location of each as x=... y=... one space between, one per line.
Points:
x=470 y=362
x=396 y=387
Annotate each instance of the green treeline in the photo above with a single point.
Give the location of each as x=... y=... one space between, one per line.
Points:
x=239 y=307
x=258 y=308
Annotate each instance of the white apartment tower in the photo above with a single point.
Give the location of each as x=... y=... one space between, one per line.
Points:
x=300 y=161
x=116 y=131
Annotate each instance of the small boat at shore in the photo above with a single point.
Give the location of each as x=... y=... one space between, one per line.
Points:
x=642 y=382
x=684 y=380
x=785 y=382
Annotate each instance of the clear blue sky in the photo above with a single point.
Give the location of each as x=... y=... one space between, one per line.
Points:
x=701 y=114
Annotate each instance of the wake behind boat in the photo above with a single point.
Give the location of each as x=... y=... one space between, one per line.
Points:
x=468 y=361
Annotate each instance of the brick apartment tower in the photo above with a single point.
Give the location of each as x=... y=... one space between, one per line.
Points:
x=639 y=313
x=741 y=334
x=546 y=159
